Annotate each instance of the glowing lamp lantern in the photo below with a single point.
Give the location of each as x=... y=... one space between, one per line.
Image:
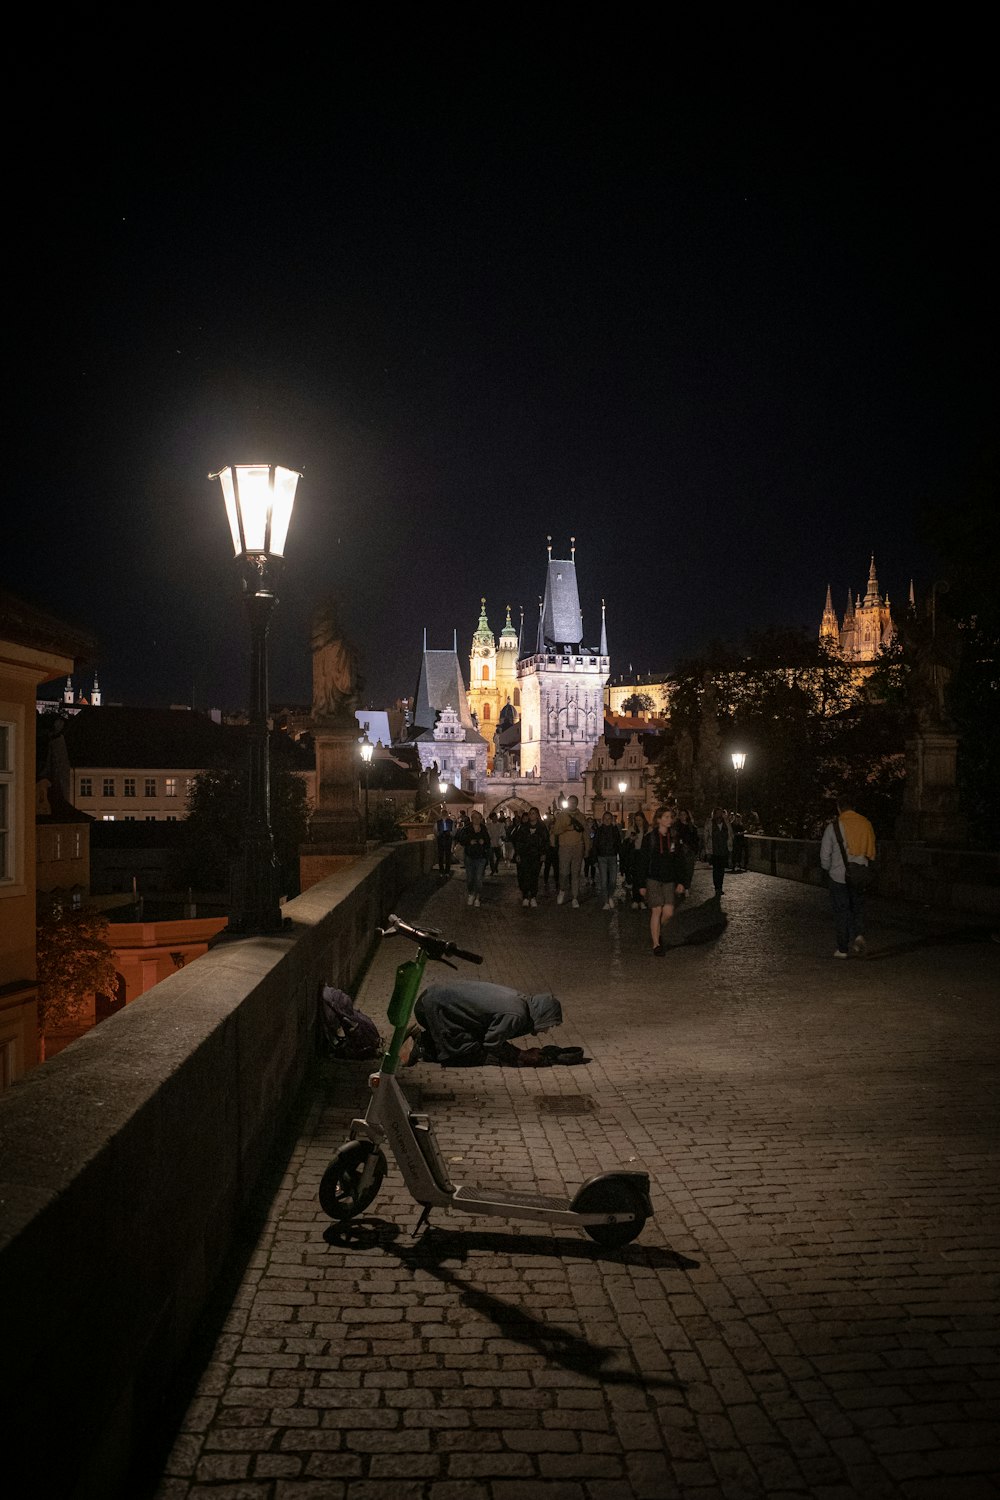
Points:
x=622 y=789
x=259 y=500
x=367 y=750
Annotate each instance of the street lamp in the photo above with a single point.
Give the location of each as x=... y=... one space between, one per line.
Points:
x=259 y=500
x=739 y=761
x=367 y=751
x=622 y=789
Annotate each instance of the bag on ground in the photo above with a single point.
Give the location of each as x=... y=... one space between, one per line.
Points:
x=347 y=1032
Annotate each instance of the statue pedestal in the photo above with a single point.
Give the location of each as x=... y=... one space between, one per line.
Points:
x=931 y=812
x=337 y=823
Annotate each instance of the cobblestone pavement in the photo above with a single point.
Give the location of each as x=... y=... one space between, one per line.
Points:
x=812 y=1311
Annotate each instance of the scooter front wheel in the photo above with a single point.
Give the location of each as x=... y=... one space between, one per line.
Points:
x=612 y=1194
x=342 y=1193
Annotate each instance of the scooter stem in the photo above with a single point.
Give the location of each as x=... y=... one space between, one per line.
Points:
x=404 y=997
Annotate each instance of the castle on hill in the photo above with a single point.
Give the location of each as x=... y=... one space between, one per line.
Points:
x=867 y=623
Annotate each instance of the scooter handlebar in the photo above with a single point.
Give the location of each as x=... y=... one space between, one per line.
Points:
x=429 y=939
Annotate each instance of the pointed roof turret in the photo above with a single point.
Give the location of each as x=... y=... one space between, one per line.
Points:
x=829 y=628
x=872 y=596
x=604 y=630
x=561 y=622
x=849 y=612
x=68 y=691
x=540 y=642
x=520 y=633
x=508 y=635
x=484 y=635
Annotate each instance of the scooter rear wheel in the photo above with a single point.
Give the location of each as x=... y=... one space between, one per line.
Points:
x=341 y=1194
x=612 y=1196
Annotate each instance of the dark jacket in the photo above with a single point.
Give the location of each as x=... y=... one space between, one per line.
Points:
x=469 y=1019
x=661 y=857
x=476 y=845
x=607 y=840
x=531 y=844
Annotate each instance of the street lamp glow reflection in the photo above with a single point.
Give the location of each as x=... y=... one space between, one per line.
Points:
x=259 y=500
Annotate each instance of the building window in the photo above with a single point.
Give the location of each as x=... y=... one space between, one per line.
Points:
x=77 y=845
x=7 y=802
x=486 y=673
x=517 y=697
x=109 y=787
x=129 y=790
x=150 y=817
x=486 y=710
x=170 y=786
x=171 y=818
x=127 y=818
x=573 y=769
x=86 y=786
x=107 y=817
x=150 y=786
x=57 y=845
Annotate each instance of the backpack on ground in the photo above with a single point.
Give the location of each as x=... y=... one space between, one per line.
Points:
x=347 y=1032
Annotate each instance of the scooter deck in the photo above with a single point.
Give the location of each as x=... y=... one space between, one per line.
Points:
x=511 y=1200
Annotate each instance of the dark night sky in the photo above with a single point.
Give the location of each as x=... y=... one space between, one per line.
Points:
x=726 y=316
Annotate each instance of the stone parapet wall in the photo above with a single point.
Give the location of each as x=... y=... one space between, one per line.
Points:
x=956 y=880
x=127 y=1162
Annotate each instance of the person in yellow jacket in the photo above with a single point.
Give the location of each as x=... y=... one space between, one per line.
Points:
x=570 y=830
x=848 y=846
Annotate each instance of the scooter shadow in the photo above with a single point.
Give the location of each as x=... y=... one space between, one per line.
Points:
x=439 y=1244
x=558 y=1345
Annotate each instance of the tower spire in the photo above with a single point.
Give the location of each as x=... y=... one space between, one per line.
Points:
x=540 y=645
x=604 y=630
x=572 y=549
x=872 y=597
x=548 y=541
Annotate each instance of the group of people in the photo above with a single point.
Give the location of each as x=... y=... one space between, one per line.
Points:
x=655 y=861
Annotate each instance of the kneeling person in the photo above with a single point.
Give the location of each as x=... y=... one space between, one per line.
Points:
x=468 y=1024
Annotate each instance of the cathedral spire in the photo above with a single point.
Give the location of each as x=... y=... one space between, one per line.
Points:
x=483 y=637
x=829 y=629
x=872 y=596
x=604 y=630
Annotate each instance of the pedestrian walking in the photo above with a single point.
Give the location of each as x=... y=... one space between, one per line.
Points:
x=474 y=841
x=661 y=873
x=607 y=842
x=495 y=829
x=717 y=846
x=637 y=832
x=571 y=831
x=689 y=852
x=444 y=828
x=738 y=834
x=531 y=847
x=846 y=853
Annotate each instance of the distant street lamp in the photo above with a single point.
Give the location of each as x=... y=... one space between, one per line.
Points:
x=259 y=500
x=739 y=761
x=367 y=751
x=443 y=787
x=622 y=789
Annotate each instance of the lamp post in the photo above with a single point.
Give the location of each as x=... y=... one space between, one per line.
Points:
x=622 y=789
x=259 y=500
x=367 y=751
x=739 y=761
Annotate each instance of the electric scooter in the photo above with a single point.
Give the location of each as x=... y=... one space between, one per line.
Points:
x=612 y=1208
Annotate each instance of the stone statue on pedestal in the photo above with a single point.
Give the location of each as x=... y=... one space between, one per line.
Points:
x=336 y=679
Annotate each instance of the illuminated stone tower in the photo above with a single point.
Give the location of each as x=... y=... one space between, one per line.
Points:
x=484 y=699
x=562 y=684
x=508 y=690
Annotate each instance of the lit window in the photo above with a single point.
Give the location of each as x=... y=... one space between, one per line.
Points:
x=77 y=845
x=150 y=786
x=86 y=786
x=129 y=786
x=170 y=786
x=107 y=817
x=486 y=710
x=109 y=786
x=486 y=674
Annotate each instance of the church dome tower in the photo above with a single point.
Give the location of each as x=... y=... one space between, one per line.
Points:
x=507 y=653
x=484 y=695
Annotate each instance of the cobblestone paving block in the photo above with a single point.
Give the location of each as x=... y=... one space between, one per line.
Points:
x=811 y=1311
